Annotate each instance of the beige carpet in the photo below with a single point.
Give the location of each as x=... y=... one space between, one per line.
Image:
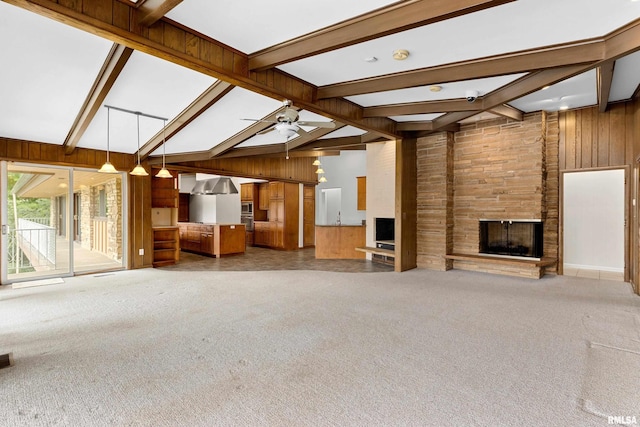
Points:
x=421 y=348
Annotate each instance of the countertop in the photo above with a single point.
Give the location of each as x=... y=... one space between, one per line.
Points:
x=340 y=225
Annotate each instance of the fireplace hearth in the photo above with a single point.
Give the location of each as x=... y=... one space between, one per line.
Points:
x=513 y=238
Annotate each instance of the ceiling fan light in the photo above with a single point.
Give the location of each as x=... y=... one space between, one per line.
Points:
x=139 y=171
x=107 y=168
x=164 y=173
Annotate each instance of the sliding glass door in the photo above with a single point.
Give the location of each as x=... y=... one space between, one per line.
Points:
x=59 y=221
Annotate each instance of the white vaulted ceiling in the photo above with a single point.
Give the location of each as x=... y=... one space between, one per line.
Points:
x=49 y=69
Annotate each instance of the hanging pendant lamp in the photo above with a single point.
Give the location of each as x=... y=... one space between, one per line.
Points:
x=164 y=173
x=107 y=167
x=139 y=170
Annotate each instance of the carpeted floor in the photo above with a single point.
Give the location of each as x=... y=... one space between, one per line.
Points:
x=309 y=348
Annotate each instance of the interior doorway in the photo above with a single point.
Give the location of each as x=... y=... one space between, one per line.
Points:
x=594 y=224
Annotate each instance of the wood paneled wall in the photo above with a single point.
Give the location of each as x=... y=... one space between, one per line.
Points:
x=590 y=139
x=296 y=169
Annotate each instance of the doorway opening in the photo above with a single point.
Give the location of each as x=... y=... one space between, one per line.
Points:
x=594 y=213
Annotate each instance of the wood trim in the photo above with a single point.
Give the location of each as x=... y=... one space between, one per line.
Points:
x=111 y=69
x=507 y=111
x=151 y=11
x=213 y=94
x=382 y=22
x=582 y=52
x=426 y=107
x=604 y=78
x=406 y=205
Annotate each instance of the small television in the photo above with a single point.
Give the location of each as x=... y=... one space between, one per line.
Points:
x=385 y=229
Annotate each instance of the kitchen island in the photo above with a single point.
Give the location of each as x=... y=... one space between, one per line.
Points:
x=212 y=239
x=340 y=241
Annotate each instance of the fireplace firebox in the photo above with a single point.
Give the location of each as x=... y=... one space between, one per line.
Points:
x=515 y=238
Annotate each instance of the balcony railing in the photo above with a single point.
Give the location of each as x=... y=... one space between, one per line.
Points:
x=37 y=243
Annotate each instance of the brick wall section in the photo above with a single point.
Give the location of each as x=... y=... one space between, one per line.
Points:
x=495 y=169
x=435 y=200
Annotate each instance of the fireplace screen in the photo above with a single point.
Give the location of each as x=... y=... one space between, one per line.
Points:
x=512 y=238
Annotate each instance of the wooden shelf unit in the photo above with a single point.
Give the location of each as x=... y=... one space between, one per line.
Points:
x=166 y=249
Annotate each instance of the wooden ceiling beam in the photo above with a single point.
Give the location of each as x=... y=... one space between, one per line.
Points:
x=151 y=11
x=115 y=21
x=523 y=86
x=398 y=17
x=213 y=94
x=507 y=111
x=499 y=65
x=426 y=107
x=179 y=158
x=604 y=78
x=347 y=141
x=111 y=69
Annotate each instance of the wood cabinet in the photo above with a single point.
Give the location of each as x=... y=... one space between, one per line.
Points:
x=284 y=215
x=263 y=196
x=183 y=207
x=362 y=193
x=246 y=192
x=309 y=215
x=212 y=239
x=262 y=233
x=166 y=249
x=164 y=191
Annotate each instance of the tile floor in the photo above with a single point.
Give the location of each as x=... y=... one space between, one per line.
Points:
x=593 y=274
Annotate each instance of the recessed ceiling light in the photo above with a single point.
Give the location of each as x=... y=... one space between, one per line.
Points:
x=547 y=87
x=435 y=88
x=370 y=59
x=400 y=54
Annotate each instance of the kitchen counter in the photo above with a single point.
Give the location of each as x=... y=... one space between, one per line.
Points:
x=340 y=241
x=212 y=239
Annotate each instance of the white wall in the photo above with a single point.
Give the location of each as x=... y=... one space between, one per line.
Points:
x=593 y=220
x=341 y=172
x=381 y=184
x=212 y=209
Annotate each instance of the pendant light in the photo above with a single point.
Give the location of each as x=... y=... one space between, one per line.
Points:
x=316 y=162
x=164 y=173
x=138 y=170
x=107 y=167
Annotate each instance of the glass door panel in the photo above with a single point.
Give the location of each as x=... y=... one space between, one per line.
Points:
x=35 y=222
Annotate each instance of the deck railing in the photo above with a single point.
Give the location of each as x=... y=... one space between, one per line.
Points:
x=37 y=242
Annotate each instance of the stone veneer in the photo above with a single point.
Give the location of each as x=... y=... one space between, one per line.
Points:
x=495 y=169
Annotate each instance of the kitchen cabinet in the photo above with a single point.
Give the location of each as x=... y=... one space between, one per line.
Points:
x=212 y=239
x=284 y=214
x=183 y=207
x=166 y=250
x=262 y=233
x=362 y=193
x=263 y=196
x=246 y=192
x=164 y=192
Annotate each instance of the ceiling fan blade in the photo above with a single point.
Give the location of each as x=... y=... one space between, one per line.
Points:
x=262 y=132
x=327 y=125
x=261 y=121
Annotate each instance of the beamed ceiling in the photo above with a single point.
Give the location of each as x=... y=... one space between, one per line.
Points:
x=206 y=66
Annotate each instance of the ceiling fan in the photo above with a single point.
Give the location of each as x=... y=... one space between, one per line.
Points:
x=287 y=123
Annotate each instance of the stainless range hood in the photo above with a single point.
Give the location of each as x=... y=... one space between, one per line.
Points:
x=214 y=186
